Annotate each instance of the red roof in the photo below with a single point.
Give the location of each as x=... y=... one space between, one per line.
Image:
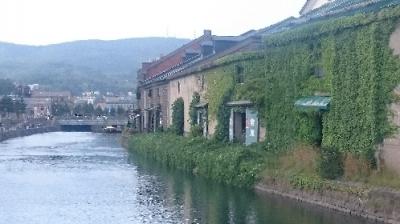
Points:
x=174 y=58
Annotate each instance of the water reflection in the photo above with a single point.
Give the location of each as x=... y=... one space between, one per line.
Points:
x=88 y=178
x=203 y=201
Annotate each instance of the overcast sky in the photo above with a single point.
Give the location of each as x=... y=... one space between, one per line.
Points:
x=40 y=22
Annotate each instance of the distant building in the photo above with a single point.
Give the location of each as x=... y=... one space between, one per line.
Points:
x=85 y=100
x=109 y=103
x=34 y=87
x=38 y=107
x=23 y=90
x=40 y=102
x=53 y=95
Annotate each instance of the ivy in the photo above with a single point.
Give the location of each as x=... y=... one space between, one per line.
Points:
x=223 y=115
x=178 y=116
x=322 y=28
x=226 y=163
x=347 y=58
x=330 y=164
x=220 y=85
x=192 y=108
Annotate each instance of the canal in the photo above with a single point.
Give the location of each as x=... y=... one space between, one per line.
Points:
x=89 y=178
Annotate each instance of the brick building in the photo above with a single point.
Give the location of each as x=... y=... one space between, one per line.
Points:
x=182 y=72
x=153 y=92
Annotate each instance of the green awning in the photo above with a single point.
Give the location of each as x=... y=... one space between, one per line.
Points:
x=201 y=105
x=239 y=103
x=313 y=102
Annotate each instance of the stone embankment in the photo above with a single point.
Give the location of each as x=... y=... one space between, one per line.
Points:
x=381 y=205
x=356 y=199
x=4 y=135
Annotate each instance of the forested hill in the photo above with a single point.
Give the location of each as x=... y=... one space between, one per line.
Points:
x=83 y=65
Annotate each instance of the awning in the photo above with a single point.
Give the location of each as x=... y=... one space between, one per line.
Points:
x=240 y=103
x=153 y=108
x=313 y=102
x=201 y=105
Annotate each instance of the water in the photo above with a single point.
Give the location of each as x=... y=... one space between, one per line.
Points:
x=89 y=178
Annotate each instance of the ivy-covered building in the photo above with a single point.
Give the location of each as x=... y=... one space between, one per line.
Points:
x=195 y=80
x=157 y=90
x=326 y=78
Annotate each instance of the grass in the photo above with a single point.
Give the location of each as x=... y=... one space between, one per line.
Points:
x=231 y=164
x=298 y=167
x=243 y=166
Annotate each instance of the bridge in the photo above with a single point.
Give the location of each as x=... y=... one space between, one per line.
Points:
x=90 y=124
x=94 y=122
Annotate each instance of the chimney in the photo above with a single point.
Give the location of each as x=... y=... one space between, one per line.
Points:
x=145 y=65
x=207 y=33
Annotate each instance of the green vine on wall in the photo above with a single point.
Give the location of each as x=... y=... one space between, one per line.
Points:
x=347 y=58
x=178 y=118
x=192 y=108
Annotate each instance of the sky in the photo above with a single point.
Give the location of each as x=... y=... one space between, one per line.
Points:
x=42 y=22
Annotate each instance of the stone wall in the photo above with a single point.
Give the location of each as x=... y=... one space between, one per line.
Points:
x=188 y=85
x=158 y=97
x=376 y=204
x=390 y=149
x=164 y=101
x=395 y=41
x=26 y=132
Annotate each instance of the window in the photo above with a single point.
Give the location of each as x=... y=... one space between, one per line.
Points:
x=202 y=82
x=150 y=93
x=179 y=87
x=158 y=92
x=239 y=74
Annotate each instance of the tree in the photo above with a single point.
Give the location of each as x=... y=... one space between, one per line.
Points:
x=60 y=108
x=88 y=109
x=6 y=87
x=98 y=111
x=6 y=105
x=112 y=111
x=78 y=109
x=192 y=109
x=120 y=111
x=19 y=106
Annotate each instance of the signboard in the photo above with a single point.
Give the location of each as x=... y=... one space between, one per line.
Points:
x=231 y=126
x=251 y=126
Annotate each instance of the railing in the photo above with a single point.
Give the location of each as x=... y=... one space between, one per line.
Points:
x=96 y=122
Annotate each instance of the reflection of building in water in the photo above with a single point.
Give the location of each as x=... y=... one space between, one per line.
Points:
x=187 y=200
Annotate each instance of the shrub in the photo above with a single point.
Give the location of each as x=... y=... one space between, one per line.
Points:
x=356 y=168
x=305 y=182
x=330 y=164
x=178 y=116
x=192 y=109
x=196 y=131
x=225 y=163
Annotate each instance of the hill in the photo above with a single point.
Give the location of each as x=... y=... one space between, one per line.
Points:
x=83 y=65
